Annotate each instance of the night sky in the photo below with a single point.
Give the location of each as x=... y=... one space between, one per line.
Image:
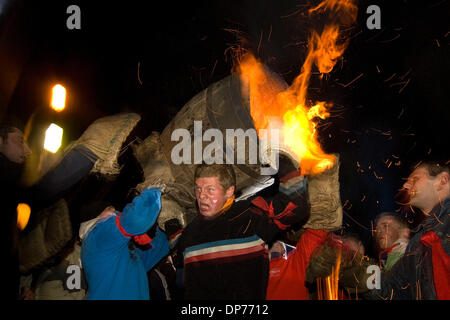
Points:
x=389 y=91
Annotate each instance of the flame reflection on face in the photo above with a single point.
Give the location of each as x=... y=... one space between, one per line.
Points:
x=211 y=196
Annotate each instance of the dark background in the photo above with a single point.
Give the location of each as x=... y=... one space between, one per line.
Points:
x=394 y=114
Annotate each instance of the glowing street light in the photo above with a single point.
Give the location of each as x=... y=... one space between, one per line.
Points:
x=53 y=137
x=58 y=101
x=23 y=215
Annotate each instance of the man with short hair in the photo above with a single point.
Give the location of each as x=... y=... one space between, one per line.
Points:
x=224 y=249
x=391 y=238
x=12 y=144
x=423 y=273
x=426 y=263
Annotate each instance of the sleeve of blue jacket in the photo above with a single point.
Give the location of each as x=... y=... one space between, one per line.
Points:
x=159 y=249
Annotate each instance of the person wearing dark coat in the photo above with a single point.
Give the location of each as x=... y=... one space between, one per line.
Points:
x=423 y=272
x=14 y=151
x=223 y=251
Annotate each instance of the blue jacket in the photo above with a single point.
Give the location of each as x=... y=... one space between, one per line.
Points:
x=411 y=277
x=113 y=271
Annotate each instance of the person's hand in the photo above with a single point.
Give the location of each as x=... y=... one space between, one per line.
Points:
x=107 y=212
x=323 y=259
x=353 y=274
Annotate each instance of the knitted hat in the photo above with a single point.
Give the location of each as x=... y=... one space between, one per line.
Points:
x=137 y=217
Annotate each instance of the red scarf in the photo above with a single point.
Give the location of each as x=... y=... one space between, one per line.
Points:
x=441 y=265
x=261 y=203
x=142 y=239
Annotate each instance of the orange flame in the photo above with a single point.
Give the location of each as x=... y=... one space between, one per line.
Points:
x=286 y=109
x=328 y=287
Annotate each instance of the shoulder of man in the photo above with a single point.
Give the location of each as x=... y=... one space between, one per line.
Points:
x=441 y=224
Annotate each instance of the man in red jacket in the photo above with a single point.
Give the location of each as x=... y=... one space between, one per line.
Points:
x=287 y=274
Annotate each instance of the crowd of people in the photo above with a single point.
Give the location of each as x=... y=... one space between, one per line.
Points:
x=231 y=249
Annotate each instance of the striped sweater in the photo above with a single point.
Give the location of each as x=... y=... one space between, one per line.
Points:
x=227 y=258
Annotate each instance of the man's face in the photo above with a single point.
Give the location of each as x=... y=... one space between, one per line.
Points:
x=421 y=189
x=386 y=232
x=15 y=148
x=211 y=196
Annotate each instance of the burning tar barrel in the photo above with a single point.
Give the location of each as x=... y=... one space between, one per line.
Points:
x=216 y=119
x=223 y=108
x=209 y=128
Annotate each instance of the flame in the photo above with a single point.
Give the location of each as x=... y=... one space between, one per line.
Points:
x=286 y=109
x=328 y=287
